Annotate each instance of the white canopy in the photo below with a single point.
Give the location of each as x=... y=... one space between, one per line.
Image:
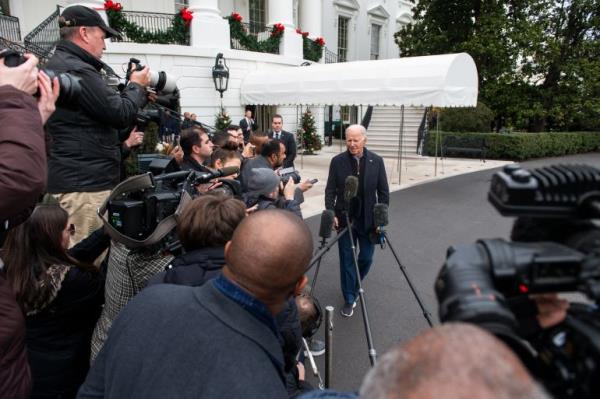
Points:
x=448 y=80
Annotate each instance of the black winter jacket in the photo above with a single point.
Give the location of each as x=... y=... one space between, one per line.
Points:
x=85 y=152
x=193 y=268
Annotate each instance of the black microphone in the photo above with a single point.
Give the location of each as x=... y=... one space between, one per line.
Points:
x=351 y=188
x=326 y=225
x=201 y=178
x=380 y=218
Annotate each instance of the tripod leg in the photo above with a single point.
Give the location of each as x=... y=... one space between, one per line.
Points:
x=426 y=312
x=361 y=296
x=314 y=279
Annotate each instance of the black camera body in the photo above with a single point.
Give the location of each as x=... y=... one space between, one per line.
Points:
x=70 y=87
x=484 y=283
x=137 y=214
x=286 y=174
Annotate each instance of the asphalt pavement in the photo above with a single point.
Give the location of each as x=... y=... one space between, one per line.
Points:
x=424 y=221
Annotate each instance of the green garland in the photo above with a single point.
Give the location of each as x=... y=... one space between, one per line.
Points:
x=312 y=50
x=249 y=42
x=178 y=33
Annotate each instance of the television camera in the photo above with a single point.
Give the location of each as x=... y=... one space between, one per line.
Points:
x=488 y=283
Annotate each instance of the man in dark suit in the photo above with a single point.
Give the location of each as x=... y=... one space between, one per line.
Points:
x=286 y=138
x=373 y=188
x=248 y=125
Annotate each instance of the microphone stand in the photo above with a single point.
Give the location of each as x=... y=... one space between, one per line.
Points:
x=318 y=258
x=361 y=296
x=426 y=312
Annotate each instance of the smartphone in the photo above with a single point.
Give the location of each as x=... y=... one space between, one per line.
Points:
x=313 y=181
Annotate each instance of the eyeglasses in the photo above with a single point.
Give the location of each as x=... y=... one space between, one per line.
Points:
x=71 y=229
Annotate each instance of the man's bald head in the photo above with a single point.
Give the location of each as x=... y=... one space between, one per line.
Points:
x=268 y=254
x=454 y=360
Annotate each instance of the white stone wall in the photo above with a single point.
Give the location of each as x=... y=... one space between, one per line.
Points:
x=192 y=68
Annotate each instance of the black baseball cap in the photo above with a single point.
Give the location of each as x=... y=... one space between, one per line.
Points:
x=85 y=16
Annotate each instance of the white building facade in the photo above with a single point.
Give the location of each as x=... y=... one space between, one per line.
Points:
x=352 y=30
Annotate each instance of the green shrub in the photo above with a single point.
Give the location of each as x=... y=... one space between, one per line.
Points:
x=522 y=146
x=478 y=119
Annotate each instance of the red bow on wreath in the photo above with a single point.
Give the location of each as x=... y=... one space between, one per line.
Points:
x=236 y=16
x=320 y=41
x=277 y=29
x=110 y=5
x=186 y=15
x=299 y=31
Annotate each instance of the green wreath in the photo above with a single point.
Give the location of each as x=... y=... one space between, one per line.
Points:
x=178 y=33
x=311 y=49
x=249 y=42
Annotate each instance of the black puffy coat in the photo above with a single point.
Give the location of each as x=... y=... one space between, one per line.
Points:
x=86 y=152
x=193 y=268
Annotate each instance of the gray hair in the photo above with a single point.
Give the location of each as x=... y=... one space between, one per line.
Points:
x=68 y=32
x=359 y=128
x=454 y=360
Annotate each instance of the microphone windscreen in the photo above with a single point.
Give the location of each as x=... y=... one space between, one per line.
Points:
x=229 y=170
x=326 y=223
x=351 y=188
x=380 y=214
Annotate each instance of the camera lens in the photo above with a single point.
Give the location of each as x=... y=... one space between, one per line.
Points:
x=70 y=87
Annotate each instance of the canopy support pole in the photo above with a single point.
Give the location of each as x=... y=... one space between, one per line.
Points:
x=400 y=145
x=437 y=140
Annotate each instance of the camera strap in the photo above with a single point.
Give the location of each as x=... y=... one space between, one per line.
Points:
x=137 y=183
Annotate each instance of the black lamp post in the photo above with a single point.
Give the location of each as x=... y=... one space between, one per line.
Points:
x=220 y=75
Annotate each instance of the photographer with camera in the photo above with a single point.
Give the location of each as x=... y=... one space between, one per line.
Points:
x=263 y=191
x=22 y=180
x=272 y=156
x=84 y=159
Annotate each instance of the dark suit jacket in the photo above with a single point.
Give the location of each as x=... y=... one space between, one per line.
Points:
x=374 y=186
x=290 y=147
x=248 y=129
x=174 y=341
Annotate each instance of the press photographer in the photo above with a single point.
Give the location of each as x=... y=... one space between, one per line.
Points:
x=509 y=288
x=22 y=180
x=83 y=164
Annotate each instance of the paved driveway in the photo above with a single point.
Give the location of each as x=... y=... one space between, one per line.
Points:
x=424 y=221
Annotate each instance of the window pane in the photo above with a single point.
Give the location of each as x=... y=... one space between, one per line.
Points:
x=257 y=15
x=375 y=32
x=342 y=39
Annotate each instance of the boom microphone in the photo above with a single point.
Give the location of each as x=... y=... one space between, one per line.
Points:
x=380 y=218
x=326 y=225
x=351 y=188
x=202 y=178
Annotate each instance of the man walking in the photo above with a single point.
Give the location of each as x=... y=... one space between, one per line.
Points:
x=287 y=138
x=373 y=188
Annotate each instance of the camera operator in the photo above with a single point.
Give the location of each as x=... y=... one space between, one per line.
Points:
x=197 y=149
x=84 y=159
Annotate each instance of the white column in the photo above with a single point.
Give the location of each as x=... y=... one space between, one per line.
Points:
x=208 y=28
x=97 y=5
x=311 y=17
x=282 y=12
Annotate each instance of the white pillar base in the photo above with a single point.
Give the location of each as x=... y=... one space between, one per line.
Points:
x=210 y=32
x=291 y=44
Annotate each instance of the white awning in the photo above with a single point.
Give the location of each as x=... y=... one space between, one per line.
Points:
x=448 y=80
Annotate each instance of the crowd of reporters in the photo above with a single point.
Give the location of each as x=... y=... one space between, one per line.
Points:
x=87 y=316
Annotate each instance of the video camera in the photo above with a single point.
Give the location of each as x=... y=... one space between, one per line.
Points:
x=135 y=211
x=484 y=283
x=70 y=87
